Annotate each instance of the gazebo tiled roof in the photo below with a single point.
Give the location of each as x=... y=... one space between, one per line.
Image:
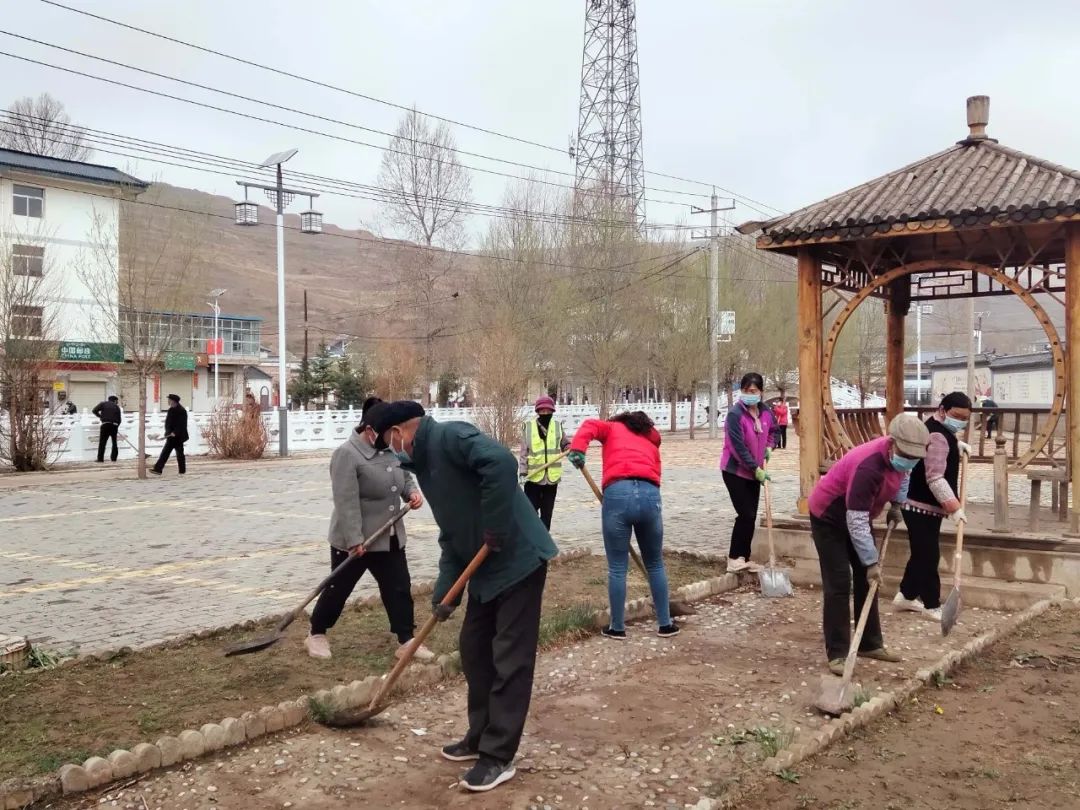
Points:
x=975 y=182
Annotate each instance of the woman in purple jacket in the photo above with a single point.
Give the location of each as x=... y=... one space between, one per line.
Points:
x=750 y=433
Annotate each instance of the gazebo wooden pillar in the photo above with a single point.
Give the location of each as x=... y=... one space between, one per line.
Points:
x=975 y=220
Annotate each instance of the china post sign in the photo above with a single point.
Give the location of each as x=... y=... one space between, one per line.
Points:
x=78 y=352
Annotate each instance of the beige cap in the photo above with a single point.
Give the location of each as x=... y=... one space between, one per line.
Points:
x=910 y=434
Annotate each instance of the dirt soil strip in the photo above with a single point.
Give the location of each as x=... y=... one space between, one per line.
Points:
x=92 y=707
x=648 y=722
x=1003 y=731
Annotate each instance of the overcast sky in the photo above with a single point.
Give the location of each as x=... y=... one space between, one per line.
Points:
x=784 y=102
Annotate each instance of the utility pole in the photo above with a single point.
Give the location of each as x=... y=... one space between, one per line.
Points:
x=714 y=306
x=305 y=332
x=971 y=348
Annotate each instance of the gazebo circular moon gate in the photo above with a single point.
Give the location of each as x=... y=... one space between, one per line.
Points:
x=978 y=219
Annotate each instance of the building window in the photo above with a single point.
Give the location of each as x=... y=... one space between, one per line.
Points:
x=29 y=201
x=27 y=261
x=26 y=321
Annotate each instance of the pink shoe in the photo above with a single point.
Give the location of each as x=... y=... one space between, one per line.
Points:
x=317 y=646
x=422 y=653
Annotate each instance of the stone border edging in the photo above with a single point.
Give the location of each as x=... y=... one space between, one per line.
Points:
x=190 y=744
x=809 y=744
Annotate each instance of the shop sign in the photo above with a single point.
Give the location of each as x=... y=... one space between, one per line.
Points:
x=79 y=352
x=58 y=385
x=179 y=361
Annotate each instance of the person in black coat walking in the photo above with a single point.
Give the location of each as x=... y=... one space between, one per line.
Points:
x=111 y=416
x=176 y=433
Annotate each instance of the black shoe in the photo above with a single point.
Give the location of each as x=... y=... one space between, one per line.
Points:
x=99 y=460
x=618 y=635
x=486 y=774
x=155 y=471
x=669 y=630
x=459 y=752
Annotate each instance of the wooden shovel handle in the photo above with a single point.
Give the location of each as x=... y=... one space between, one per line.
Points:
x=551 y=463
x=871 y=595
x=291 y=617
x=958 y=554
x=429 y=625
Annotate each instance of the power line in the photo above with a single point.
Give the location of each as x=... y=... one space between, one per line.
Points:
x=328 y=86
x=284 y=108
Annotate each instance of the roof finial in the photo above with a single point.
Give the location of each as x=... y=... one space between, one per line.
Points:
x=978 y=116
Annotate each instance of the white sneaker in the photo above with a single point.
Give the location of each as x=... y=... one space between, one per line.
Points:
x=422 y=653
x=736 y=565
x=901 y=604
x=317 y=646
x=932 y=613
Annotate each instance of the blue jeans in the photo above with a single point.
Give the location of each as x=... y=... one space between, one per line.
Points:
x=634 y=505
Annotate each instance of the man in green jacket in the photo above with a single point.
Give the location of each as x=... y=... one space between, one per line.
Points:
x=470 y=482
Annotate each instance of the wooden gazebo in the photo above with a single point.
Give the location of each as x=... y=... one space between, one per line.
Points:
x=977 y=219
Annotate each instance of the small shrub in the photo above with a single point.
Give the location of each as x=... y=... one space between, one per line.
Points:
x=320 y=712
x=771 y=740
x=789 y=776
x=237 y=433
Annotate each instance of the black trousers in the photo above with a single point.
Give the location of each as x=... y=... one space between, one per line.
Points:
x=921 y=579
x=745 y=494
x=108 y=431
x=542 y=498
x=840 y=568
x=783 y=437
x=391 y=572
x=170 y=445
x=498 y=654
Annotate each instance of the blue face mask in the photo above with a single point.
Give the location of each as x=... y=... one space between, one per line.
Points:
x=401 y=455
x=750 y=399
x=955 y=425
x=904 y=465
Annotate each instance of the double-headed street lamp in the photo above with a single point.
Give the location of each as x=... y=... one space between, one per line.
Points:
x=247 y=213
x=216 y=294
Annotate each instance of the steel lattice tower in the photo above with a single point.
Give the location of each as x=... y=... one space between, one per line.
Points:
x=608 y=149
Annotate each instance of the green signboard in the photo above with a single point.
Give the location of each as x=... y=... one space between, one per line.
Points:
x=179 y=361
x=78 y=352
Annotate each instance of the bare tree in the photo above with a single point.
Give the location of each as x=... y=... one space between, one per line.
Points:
x=29 y=320
x=40 y=126
x=398 y=368
x=427 y=193
x=860 y=350
x=143 y=271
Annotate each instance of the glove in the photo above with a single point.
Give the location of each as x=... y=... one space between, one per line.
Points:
x=442 y=612
x=493 y=541
x=894 y=515
x=873 y=573
x=761 y=476
x=958 y=517
x=577 y=458
x=768 y=453
x=965 y=448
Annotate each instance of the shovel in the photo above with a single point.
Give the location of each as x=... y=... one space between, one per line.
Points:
x=353 y=717
x=270 y=639
x=674 y=608
x=773 y=581
x=950 y=611
x=837 y=696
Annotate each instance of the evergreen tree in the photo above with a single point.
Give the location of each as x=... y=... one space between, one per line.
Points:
x=352 y=386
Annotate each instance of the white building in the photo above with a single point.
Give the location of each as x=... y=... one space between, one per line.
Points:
x=48 y=212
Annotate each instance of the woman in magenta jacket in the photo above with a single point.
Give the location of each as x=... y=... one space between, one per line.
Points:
x=750 y=433
x=631 y=483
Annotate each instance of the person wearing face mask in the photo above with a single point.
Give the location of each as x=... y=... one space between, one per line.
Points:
x=542 y=439
x=842 y=505
x=369 y=487
x=470 y=481
x=931 y=497
x=750 y=433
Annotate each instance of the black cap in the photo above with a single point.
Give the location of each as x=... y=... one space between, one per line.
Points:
x=394 y=413
x=366 y=409
x=175 y=398
x=113 y=398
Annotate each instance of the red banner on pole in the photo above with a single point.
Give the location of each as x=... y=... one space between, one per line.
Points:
x=215 y=347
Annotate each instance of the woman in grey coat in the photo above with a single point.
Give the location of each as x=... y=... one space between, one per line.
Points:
x=369 y=488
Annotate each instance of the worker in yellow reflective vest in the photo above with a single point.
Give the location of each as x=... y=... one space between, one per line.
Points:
x=542 y=440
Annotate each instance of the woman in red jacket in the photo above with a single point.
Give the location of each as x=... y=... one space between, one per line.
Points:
x=631 y=483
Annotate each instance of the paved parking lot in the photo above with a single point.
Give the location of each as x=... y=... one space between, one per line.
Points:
x=90 y=563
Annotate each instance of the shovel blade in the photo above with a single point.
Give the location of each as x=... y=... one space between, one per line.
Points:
x=774 y=582
x=348 y=718
x=950 y=611
x=836 y=696
x=254 y=645
x=681 y=609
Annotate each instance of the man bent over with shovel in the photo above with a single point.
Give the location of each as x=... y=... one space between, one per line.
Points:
x=842 y=505
x=470 y=482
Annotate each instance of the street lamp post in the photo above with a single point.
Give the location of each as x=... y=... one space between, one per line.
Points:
x=216 y=294
x=311 y=222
